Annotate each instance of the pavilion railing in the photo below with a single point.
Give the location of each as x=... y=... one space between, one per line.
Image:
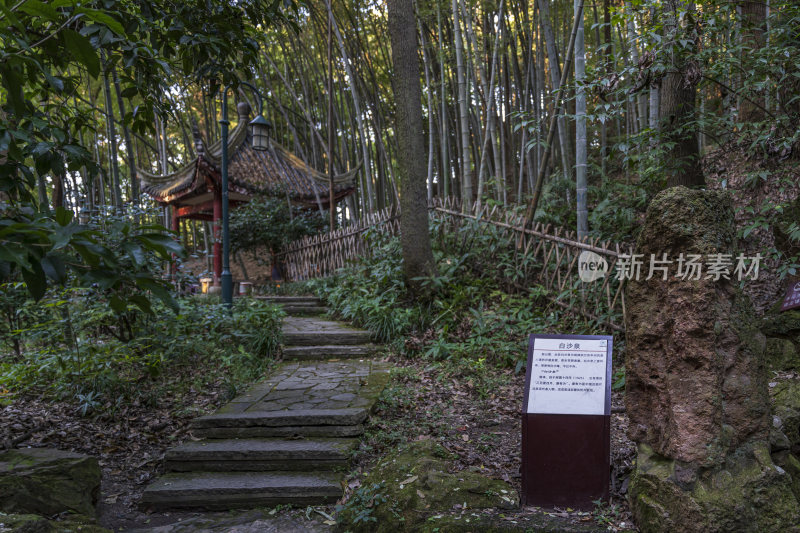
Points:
x=543 y=256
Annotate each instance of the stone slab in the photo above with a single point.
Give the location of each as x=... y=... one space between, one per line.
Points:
x=305 y=353
x=279 y=431
x=260 y=455
x=227 y=490
x=293 y=309
x=308 y=300
x=246 y=449
x=47 y=481
x=313 y=338
x=304 y=417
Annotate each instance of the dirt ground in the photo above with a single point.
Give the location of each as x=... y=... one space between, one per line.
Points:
x=482 y=428
x=478 y=419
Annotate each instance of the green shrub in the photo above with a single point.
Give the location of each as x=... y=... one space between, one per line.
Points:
x=77 y=348
x=468 y=313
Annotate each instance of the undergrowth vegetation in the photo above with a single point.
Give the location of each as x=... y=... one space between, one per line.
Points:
x=477 y=312
x=72 y=346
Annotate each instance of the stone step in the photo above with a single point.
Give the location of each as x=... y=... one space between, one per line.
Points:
x=292 y=309
x=304 y=353
x=258 y=432
x=286 y=418
x=326 y=337
x=292 y=300
x=229 y=490
x=231 y=455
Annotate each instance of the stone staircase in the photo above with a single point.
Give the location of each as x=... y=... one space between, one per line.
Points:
x=289 y=438
x=297 y=305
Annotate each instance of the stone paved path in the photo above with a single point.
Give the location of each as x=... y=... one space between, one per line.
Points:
x=288 y=438
x=314 y=385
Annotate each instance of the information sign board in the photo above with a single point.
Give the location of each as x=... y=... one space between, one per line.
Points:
x=792 y=298
x=566 y=425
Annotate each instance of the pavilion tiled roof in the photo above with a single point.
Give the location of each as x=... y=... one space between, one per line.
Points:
x=276 y=172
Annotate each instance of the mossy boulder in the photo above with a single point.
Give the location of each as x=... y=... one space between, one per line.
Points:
x=781 y=354
x=696 y=386
x=748 y=494
x=46 y=482
x=31 y=523
x=696 y=392
x=791 y=464
x=415 y=482
x=777 y=323
x=782 y=330
x=786 y=407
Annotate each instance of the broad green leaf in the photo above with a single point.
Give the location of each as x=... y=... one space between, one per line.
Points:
x=135 y=252
x=35 y=280
x=103 y=18
x=82 y=50
x=118 y=304
x=159 y=291
x=39 y=9
x=161 y=242
x=64 y=216
x=54 y=268
x=142 y=303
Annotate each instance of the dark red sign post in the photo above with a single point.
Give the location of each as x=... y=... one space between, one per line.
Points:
x=792 y=298
x=566 y=422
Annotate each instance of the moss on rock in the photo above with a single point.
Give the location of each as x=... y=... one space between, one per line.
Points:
x=31 y=523
x=415 y=482
x=782 y=329
x=777 y=323
x=749 y=494
x=46 y=481
x=786 y=406
x=696 y=387
x=781 y=354
x=474 y=522
x=791 y=464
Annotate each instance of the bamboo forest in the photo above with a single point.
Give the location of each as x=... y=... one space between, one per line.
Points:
x=402 y=265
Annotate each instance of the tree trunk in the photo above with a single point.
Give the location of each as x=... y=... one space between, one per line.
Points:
x=414 y=238
x=112 y=134
x=490 y=114
x=359 y=118
x=431 y=115
x=580 y=127
x=555 y=80
x=754 y=18
x=58 y=190
x=681 y=158
x=134 y=184
x=463 y=114
x=444 y=137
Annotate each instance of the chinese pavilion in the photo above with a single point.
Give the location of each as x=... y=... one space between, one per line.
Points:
x=195 y=192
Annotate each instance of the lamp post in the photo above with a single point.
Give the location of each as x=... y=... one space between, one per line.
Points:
x=260 y=134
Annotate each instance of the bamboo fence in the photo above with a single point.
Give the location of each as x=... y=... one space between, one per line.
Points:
x=543 y=256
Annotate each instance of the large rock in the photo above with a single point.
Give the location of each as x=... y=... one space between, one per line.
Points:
x=749 y=493
x=696 y=393
x=30 y=523
x=693 y=350
x=46 y=482
x=786 y=409
x=783 y=338
x=413 y=483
